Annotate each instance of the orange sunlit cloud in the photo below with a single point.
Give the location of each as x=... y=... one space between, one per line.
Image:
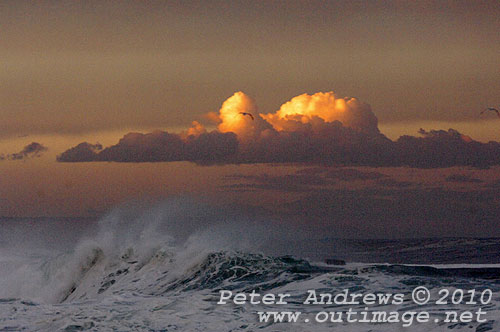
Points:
x=234 y=117
x=319 y=129
x=299 y=110
x=325 y=105
x=196 y=129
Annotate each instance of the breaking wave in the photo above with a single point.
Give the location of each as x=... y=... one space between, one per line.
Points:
x=163 y=268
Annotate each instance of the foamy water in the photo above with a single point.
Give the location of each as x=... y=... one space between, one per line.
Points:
x=142 y=274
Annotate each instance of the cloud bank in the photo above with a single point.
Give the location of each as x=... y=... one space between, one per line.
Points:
x=362 y=203
x=29 y=151
x=320 y=129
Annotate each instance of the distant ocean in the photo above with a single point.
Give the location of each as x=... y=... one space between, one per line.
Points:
x=56 y=275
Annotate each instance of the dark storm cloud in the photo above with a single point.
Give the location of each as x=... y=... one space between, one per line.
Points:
x=440 y=148
x=322 y=143
x=82 y=152
x=31 y=150
x=207 y=148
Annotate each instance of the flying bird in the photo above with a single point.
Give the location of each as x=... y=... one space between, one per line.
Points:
x=245 y=113
x=493 y=110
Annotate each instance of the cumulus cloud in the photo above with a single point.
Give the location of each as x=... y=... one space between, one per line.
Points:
x=326 y=106
x=320 y=129
x=31 y=150
x=239 y=115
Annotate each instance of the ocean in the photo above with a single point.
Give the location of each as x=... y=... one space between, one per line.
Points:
x=155 y=271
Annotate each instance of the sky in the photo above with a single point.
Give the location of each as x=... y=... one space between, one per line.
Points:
x=389 y=93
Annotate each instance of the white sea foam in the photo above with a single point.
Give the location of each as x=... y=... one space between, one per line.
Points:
x=162 y=269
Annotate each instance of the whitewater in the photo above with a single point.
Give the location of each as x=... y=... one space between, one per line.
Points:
x=163 y=270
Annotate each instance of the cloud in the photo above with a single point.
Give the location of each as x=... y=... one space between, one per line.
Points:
x=379 y=206
x=398 y=211
x=494 y=185
x=349 y=174
x=343 y=174
x=439 y=148
x=388 y=182
x=298 y=182
x=31 y=150
x=319 y=129
x=239 y=115
x=309 y=180
x=461 y=178
x=205 y=148
x=303 y=180
x=326 y=106
x=82 y=152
